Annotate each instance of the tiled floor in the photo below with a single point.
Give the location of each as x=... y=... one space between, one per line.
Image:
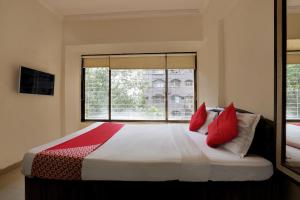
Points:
x=12 y=186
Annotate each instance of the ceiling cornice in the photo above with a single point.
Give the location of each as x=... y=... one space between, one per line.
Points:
x=134 y=14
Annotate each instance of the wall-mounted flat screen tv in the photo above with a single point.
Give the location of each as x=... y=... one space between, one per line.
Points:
x=36 y=82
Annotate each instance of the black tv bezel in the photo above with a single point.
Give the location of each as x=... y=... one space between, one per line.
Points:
x=19 y=85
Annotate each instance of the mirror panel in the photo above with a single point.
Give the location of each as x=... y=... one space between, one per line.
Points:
x=292 y=87
x=287 y=62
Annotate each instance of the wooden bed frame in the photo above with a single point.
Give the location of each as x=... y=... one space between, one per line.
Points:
x=39 y=189
x=263 y=144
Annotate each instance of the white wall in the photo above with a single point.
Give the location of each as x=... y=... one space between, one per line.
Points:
x=32 y=36
x=73 y=69
x=239 y=48
x=130 y=35
x=142 y=29
x=249 y=56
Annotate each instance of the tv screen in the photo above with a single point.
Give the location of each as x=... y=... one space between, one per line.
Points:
x=36 y=82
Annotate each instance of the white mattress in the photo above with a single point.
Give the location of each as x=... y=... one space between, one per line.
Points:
x=292 y=156
x=226 y=166
x=293 y=135
x=153 y=152
x=161 y=152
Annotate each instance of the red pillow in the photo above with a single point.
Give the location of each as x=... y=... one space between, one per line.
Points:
x=224 y=128
x=198 y=118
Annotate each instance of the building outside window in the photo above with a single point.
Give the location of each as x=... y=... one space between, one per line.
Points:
x=175 y=83
x=189 y=100
x=158 y=99
x=158 y=83
x=176 y=113
x=176 y=99
x=188 y=83
x=188 y=112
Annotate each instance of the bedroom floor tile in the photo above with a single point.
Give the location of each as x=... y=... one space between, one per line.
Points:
x=12 y=186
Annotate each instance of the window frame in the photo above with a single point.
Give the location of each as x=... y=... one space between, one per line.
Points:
x=83 y=119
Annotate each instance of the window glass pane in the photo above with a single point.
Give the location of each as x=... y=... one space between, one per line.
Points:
x=180 y=94
x=293 y=91
x=96 y=93
x=138 y=94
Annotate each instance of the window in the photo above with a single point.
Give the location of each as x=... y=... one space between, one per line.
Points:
x=96 y=93
x=176 y=113
x=158 y=83
x=176 y=99
x=293 y=91
x=158 y=72
x=188 y=112
x=188 y=83
x=175 y=83
x=189 y=100
x=129 y=89
x=158 y=99
x=181 y=97
x=133 y=87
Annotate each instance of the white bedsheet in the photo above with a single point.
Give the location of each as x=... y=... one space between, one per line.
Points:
x=293 y=135
x=161 y=152
x=151 y=152
x=292 y=156
x=227 y=166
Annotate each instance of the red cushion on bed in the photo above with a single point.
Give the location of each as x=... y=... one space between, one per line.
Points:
x=224 y=128
x=198 y=118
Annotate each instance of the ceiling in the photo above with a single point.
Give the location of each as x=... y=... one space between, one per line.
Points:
x=86 y=7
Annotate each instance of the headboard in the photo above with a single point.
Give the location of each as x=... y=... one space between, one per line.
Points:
x=264 y=141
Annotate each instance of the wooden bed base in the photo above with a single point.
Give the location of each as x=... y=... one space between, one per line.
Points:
x=263 y=144
x=39 y=189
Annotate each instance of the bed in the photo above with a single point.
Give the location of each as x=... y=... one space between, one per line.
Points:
x=293 y=145
x=160 y=160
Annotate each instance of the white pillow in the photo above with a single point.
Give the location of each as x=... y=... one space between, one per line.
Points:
x=210 y=117
x=293 y=135
x=246 y=128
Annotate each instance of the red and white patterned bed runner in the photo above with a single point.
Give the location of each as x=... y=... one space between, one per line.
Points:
x=64 y=161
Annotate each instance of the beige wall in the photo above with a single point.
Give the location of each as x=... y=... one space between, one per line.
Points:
x=129 y=35
x=143 y=29
x=239 y=37
x=73 y=69
x=211 y=58
x=32 y=36
x=249 y=56
x=234 y=41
